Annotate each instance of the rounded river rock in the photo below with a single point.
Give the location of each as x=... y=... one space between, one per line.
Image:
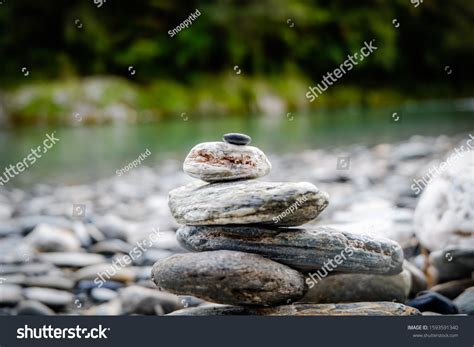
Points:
x=358 y=287
x=228 y=277
x=221 y=161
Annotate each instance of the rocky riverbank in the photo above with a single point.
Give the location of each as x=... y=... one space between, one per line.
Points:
x=109 y=99
x=90 y=249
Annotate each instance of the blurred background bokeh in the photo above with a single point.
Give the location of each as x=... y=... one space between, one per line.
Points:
x=110 y=79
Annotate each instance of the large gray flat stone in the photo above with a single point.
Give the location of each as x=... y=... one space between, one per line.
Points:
x=247 y=202
x=303 y=249
x=350 y=309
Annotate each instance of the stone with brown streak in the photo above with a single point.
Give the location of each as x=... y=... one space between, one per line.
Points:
x=303 y=249
x=350 y=309
x=221 y=161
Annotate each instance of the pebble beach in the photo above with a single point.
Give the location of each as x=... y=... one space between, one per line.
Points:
x=353 y=236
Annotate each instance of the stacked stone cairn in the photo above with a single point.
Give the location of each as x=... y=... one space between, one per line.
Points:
x=246 y=256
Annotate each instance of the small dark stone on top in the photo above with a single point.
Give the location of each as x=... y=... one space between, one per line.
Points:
x=237 y=139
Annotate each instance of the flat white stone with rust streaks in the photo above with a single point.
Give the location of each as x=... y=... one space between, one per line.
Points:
x=220 y=161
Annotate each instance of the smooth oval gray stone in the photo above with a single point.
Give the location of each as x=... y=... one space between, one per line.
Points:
x=72 y=259
x=229 y=278
x=28 y=223
x=48 y=296
x=33 y=308
x=220 y=161
x=101 y=273
x=419 y=281
x=347 y=309
x=49 y=238
x=453 y=263
x=452 y=289
x=10 y=294
x=109 y=308
x=103 y=294
x=339 y=288
x=111 y=246
x=8 y=228
x=454 y=255
x=237 y=139
x=302 y=249
x=141 y=300
x=465 y=302
x=19 y=279
x=247 y=202
x=50 y=281
x=28 y=268
x=433 y=302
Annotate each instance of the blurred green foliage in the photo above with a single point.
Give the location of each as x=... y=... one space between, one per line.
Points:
x=254 y=35
x=196 y=64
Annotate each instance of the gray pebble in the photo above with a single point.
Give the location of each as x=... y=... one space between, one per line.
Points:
x=110 y=308
x=72 y=259
x=33 y=308
x=48 y=296
x=465 y=302
x=453 y=263
x=50 y=238
x=103 y=294
x=10 y=294
x=339 y=288
x=452 y=289
x=140 y=300
x=50 y=281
